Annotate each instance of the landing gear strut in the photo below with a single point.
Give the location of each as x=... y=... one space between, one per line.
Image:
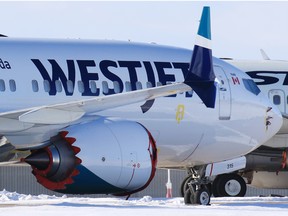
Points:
x=196 y=187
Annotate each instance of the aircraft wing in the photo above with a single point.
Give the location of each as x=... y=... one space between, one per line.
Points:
x=72 y=111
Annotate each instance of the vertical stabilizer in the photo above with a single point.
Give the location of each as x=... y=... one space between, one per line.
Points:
x=201 y=76
x=264 y=55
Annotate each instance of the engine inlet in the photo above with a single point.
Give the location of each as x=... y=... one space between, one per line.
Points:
x=55 y=165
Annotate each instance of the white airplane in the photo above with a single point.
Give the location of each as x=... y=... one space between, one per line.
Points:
x=90 y=113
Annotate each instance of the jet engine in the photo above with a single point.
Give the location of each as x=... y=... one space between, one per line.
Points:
x=104 y=156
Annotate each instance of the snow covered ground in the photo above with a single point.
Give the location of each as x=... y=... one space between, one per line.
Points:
x=14 y=204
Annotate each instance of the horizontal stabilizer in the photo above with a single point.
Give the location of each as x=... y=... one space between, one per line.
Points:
x=201 y=75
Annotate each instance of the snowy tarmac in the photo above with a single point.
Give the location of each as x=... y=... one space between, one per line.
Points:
x=14 y=204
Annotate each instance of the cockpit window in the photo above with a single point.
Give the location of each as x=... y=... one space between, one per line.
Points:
x=251 y=86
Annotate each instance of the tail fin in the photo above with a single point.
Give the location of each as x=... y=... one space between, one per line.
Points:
x=201 y=75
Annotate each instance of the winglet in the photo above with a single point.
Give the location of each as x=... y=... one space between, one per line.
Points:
x=201 y=75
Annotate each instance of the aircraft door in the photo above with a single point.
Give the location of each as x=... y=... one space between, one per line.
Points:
x=277 y=97
x=224 y=94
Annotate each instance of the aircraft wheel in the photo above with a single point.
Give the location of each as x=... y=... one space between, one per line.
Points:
x=184 y=185
x=231 y=185
x=215 y=186
x=188 y=199
x=200 y=197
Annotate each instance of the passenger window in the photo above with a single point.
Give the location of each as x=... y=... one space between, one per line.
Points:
x=12 y=85
x=149 y=85
x=138 y=85
x=46 y=86
x=93 y=86
x=80 y=86
x=105 y=87
x=58 y=85
x=159 y=84
x=189 y=93
x=277 y=99
x=35 y=86
x=116 y=87
x=251 y=86
x=2 y=85
x=128 y=86
x=70 y=88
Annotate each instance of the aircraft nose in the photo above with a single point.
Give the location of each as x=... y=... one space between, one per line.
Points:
x=273 y=120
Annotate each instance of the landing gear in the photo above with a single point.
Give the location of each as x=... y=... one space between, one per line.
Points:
x=196 y=188
x=199 y=196
x=229 y=185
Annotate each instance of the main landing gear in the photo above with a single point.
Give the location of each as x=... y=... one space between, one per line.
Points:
x=196 y=187
x=229 y=185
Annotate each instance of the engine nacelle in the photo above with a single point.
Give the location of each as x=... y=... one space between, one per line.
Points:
x=113 y=157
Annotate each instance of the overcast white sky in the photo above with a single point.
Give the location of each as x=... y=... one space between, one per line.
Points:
x=239 y=29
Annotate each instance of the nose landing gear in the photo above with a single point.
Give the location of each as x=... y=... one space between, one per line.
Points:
x=196 y=188
x=197 y=195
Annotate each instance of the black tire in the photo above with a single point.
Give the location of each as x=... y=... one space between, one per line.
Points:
x=184 y=185
x=202 y=196
x=232 y=185
x=188 y=198
x=215 y=186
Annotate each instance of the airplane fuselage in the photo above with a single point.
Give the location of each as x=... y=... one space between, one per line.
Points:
x=36 y=73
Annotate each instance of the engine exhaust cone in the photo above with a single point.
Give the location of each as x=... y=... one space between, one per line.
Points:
x=40 y=160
